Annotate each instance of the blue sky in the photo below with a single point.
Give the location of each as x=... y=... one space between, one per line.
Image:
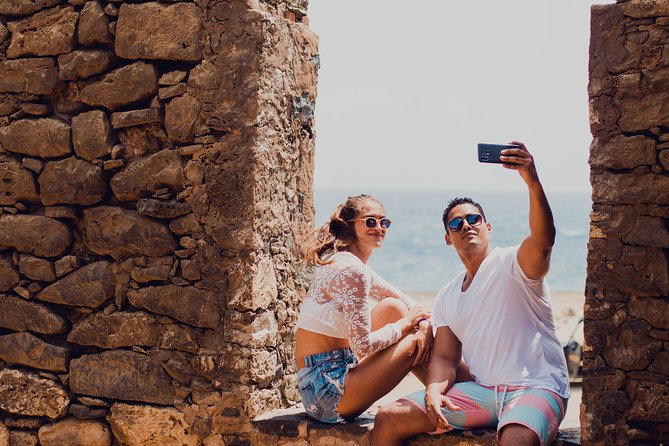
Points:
x=407 y=90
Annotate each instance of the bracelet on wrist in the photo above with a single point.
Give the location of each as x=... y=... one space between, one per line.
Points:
x=417 y=326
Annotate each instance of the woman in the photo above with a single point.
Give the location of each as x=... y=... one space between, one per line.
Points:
x=349 y=355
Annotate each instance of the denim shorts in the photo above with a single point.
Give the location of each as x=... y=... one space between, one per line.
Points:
x=321 y=383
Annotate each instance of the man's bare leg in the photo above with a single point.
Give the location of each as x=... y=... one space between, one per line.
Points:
x=518 y=435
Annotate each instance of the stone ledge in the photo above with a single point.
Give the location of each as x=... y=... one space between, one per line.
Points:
x=292 y=426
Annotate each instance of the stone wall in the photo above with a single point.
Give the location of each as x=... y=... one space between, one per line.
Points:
x=626 y=377
x=156 y=164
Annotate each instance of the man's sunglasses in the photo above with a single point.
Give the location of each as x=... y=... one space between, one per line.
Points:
x=370 y=222
x=458 y=222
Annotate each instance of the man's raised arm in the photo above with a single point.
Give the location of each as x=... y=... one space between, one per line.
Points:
x=535 y=251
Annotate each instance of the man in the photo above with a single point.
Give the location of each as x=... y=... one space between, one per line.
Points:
x=497 y=316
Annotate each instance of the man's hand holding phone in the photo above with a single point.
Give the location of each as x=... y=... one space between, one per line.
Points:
x=520 y=159
x=513 y=156
x=490 y=153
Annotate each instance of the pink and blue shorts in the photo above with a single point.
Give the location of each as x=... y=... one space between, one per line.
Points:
x=482 y=406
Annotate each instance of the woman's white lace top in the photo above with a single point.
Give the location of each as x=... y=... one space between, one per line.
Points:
x=338 y=305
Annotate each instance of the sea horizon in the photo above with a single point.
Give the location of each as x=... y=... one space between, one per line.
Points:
x=415 y=258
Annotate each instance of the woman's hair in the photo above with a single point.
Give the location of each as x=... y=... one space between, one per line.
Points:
x=337 y=234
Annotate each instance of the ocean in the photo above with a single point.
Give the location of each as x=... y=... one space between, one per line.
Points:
x=414 y=256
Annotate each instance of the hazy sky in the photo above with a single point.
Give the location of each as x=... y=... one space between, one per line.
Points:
x=407 y=89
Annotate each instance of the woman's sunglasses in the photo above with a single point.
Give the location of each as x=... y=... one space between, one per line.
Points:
x=458 y=222
x=370 y=222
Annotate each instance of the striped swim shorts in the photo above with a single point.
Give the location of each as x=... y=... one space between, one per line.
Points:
x=482 y=406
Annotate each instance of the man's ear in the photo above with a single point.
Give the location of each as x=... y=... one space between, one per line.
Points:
x=489 y=226
x=447 y=238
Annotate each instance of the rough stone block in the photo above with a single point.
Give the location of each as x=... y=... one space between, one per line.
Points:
x=250 y=329
x=162 y=209
x=252 y=366
x=629 y=188
x=92 y=135
x=33 y=234
x=604 y=115
x=158 y=31
x=628 y=349
x=44 y=137
x=84 y=412
x=74 y=432
x=172 y=78
x=93 y=25
x=622 y=152
x=136 y=117
x=21 y=315
x=22 y=438
x=648 y=231
x=35 y=109
x=645 y=9
x=34 y=75
x=16 y=184
x=86 y=183
x=24 y=393
x=89 y=286
x=653 y=310
x=136 y=425
x=66 y=265
x=171 y=91
x=156 y=269
x=179 y=337
x=121 y=374
x=120 y=329
x=258 y=292
x=46 y=33
x=37 y=268
x=143 y=177
x=261 y=401
x=121 y=233
x=9 y=276
x=14 y=8
x=187 y=224
x=81 y=64
x=181 y=115
x=190 y=305
x=28 y=350
x=651 y=402
x=123 y=86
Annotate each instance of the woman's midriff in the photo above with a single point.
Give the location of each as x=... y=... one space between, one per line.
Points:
x=309 y=343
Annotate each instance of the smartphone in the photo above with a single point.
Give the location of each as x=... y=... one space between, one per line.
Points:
x=489 y=153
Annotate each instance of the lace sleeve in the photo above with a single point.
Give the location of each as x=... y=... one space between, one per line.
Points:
x=381 y=288
x=351 y=288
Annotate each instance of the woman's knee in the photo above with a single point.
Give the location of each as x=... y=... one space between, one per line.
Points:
x=388 y=310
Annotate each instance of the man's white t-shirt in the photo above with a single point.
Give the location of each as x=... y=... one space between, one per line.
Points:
x=505 y=324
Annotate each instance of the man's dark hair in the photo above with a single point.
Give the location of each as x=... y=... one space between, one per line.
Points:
x=456 y=202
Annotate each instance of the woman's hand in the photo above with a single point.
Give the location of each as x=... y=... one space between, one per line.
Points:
x=411 y=320
x=422 y=342
x=416 y=313
x=434 y=401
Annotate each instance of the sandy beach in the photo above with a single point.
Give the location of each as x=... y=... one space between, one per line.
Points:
x=567 y=310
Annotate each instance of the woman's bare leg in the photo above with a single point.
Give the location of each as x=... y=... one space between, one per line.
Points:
x=391 y=310
x=380 y=372
x=374 y=377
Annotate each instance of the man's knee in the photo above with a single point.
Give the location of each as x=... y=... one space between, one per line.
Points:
x=517 y=434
